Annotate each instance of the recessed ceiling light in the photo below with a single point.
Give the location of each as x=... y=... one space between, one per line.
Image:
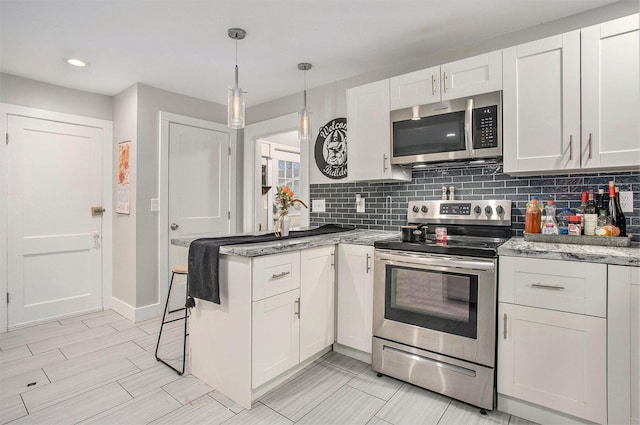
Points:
x=76 y=62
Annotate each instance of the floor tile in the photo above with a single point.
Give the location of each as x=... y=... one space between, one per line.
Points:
x=11 y=407
x=186 y=389
x=68 y=339
x=34 y=362
x=383 y=387
x=170 y=335
x=303 y=393
x=74 y=385
x=25 y=382
x=345 y=406
x=344 y=362
x=122 y=324
x=81 y=317
x=15 y=353
x=153 y=326
x=106 y=318
x=413 y=406
x=515 y=420
x=39 y=334
x=90 y=361
x=141 y=410
x=203 y=410
x=99 y=343
x=226 y=401
x=148 y=380
x=258 y=415
x=461 y=413
x=76 y=409
x=144 y=360
x=377 y=421
x=35 y=329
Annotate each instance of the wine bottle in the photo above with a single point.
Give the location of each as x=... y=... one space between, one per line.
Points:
x=590 y=216
x=612 y=209
x=620 y=219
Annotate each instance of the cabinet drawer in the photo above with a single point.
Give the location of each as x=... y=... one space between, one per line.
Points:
x=570 y=286
x=275 y=274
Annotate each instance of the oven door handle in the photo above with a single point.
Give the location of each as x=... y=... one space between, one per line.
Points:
x=422 y=261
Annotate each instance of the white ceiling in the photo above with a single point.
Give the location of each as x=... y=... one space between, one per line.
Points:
x=182 y=46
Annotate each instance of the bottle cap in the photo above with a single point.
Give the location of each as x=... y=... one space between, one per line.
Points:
x=566 y=209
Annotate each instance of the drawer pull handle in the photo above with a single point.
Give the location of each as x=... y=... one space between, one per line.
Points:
x=367 y=264
x=283 y=274
x=296 y=311
x=544 y=285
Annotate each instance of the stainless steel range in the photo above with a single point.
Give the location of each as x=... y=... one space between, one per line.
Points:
x=434 y=312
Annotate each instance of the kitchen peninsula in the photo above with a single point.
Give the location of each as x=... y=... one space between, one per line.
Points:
x=276 y=313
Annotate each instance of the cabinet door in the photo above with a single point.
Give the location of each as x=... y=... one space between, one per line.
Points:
x=541 y=105
x=275 y=336
x=553 y=359
x=317 y=296
x=369 y=152
x=611 y=94
x=415 y=88
x=471 y=76
x=355 y=296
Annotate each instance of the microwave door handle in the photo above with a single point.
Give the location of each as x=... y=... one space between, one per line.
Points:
x=468 y=127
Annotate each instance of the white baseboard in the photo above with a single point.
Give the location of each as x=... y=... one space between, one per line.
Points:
x=352 y=352
x=135 y=314
x=535 y=413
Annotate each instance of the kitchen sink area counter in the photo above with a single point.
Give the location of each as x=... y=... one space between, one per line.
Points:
x=518 y=247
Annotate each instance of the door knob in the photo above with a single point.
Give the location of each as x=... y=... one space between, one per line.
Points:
x=174 y=226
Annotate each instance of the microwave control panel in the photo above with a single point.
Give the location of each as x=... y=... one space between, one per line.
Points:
x=485 y=127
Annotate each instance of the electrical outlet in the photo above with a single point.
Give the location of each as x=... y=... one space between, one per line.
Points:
x=318 y=205
x=155 y=204
x=626 y=201
x=359 y=204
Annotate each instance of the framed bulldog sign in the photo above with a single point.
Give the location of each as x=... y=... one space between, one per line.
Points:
x=331 y=149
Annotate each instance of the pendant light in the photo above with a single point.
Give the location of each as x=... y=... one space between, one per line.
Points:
x=235 y=101
x=304 y=129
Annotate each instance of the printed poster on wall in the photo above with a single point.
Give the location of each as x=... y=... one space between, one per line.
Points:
x=331 y=149
x=124 y=154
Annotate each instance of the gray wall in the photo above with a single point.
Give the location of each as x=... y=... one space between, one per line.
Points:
x=35 y=94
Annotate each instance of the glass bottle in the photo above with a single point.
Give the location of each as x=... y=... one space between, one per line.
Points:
x=580 y=211
x=550 y=226
x=533 y=216
x=621 y=219
x=590 y=216
x=563 y=221
x=612 y=208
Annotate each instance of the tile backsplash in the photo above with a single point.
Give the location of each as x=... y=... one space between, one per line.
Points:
x=386 y=203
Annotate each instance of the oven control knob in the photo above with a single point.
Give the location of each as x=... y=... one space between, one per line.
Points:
x=499 y=209
x=424 y=209
x=488 y=210
x=477 y=209
x=415 y=209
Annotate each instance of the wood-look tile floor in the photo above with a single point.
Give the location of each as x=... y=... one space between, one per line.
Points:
x=100 y=368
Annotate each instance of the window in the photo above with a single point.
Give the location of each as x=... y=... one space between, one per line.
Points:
x=289 y=175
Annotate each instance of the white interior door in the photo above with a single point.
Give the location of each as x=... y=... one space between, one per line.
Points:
x=199 y=195
x=54 y=242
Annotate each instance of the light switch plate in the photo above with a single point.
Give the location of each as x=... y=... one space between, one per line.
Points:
x=318 y=205
x=155 y=204
x=626 y=201
x=360 y=205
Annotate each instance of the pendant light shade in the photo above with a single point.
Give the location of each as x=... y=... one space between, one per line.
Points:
x=304 y=127
x=235 y=100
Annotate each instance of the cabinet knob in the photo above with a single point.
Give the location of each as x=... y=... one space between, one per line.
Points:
x=174 y=226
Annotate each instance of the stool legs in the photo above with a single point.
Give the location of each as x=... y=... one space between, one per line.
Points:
x=164 y=321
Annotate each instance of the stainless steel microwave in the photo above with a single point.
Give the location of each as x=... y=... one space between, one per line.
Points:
x=456 y=130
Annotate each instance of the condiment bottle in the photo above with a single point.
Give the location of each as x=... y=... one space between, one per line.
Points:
x=580 y=211
x=590 y=216
x=550 y=226
x=532 y=217
x=563 y=221
x=575 y=225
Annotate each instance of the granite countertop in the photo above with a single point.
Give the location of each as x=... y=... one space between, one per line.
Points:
x=355 y=237
x=518 y=247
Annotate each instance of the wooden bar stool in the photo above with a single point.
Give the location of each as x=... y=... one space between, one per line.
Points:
x=180 y=269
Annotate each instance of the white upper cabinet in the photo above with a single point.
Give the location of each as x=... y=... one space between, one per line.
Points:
x=572 y=102
x=541 y=105
x=611 y=94
x=369 y=150
x=466 y=77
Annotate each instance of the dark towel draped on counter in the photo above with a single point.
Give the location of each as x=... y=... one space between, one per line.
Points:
x=204 y=253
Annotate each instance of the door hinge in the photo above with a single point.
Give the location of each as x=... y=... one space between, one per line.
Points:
x=7 y=298
x=229 y=215
x=229 y=151
x=6 y=138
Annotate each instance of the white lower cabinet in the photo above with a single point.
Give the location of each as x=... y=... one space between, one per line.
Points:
x=355 y=296
x=554 y=353
x=276 y=336
x=317 y=295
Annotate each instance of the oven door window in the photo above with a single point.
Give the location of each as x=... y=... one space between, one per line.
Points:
x=435 y=134
x=442 y=301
